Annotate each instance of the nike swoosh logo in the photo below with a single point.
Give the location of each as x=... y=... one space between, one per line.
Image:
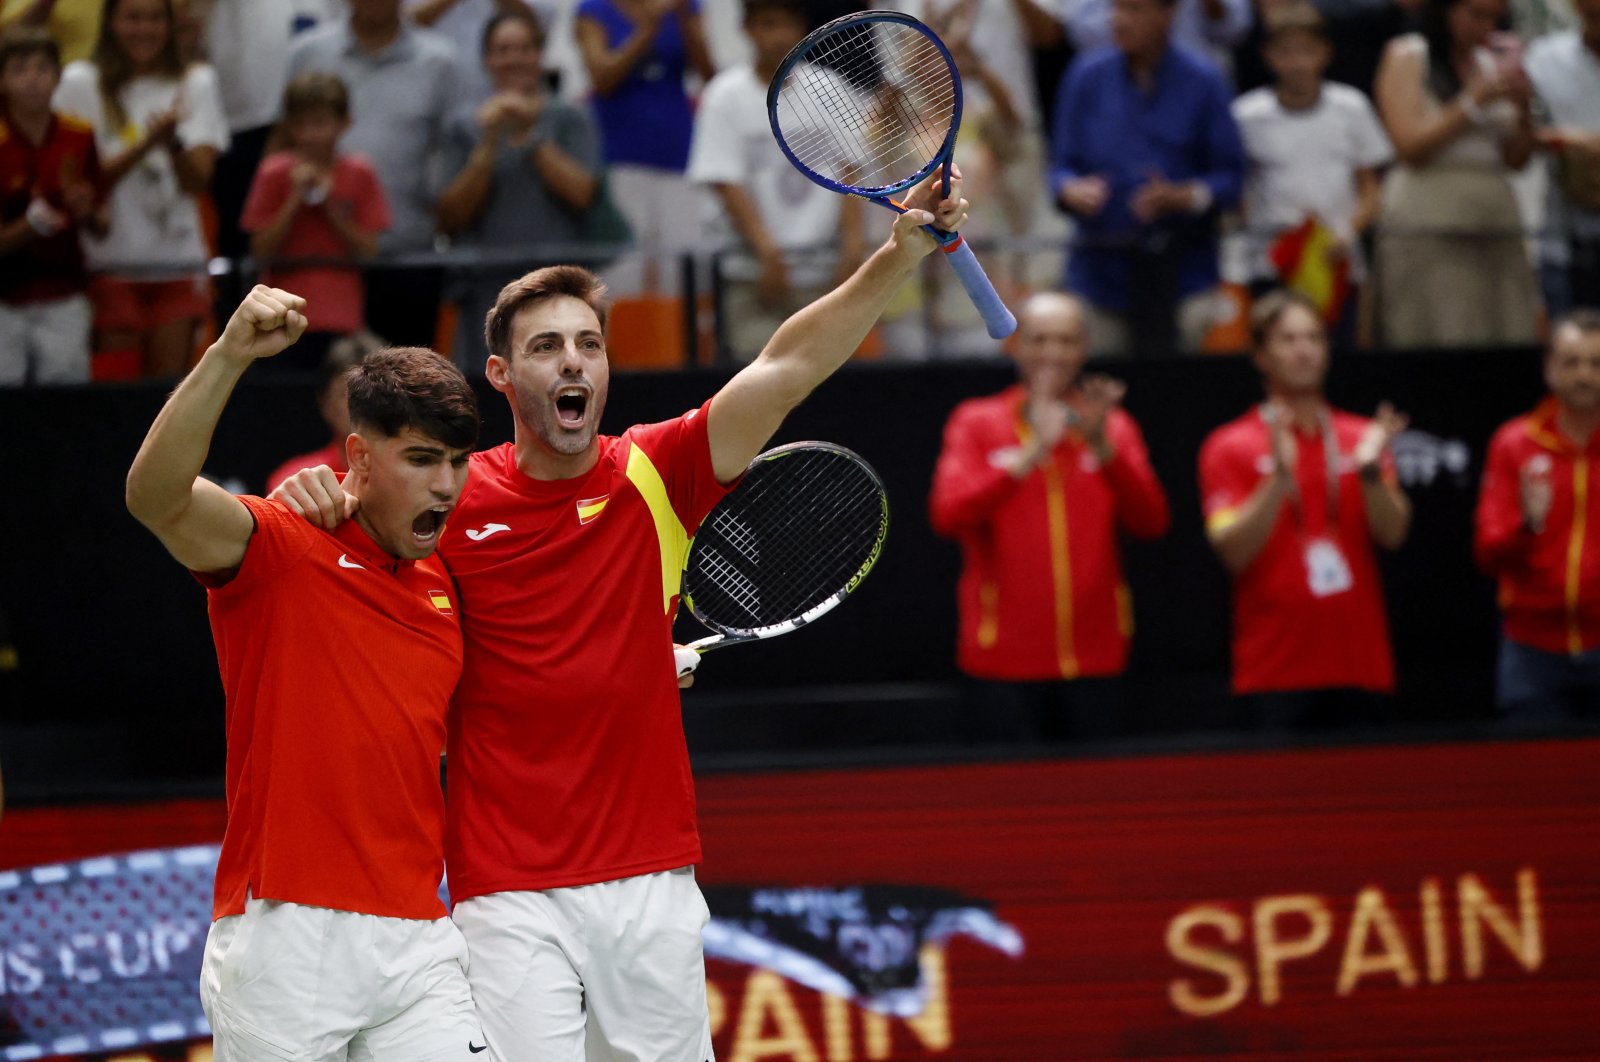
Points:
x=474 y=1048
x=478 y=534
x=346 y=562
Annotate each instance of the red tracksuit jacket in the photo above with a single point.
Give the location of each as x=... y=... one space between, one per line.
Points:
x=1041 y=594
x=1550 y=581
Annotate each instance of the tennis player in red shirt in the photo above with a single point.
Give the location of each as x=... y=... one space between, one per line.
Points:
x=1538 y=534
x=1034 y=483
x=571 y=840
x=339 y=652
x=1297 y=496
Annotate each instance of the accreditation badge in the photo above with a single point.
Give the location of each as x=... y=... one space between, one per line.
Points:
x=1327 y=571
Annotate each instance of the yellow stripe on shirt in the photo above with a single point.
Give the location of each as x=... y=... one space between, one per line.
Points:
x=671 y=535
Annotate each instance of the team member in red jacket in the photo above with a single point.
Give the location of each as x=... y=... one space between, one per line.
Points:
x=1034 y=482
x=1538 y=533
x=1296 y=495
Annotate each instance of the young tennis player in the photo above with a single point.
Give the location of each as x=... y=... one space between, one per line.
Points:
x=339 y=652
x=571 y=839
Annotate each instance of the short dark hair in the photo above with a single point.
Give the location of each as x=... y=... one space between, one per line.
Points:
x=535 y=287
x=1295 y=17
x=412 y=387
x=500 y=18
x=316 y=90
x=1269 y=310
x=19 y=42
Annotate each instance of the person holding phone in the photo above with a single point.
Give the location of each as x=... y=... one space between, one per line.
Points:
x=1452 y=267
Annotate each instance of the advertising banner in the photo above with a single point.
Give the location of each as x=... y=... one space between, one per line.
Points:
x=1417 y=901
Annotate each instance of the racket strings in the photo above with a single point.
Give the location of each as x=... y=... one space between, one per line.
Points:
x=793 y=534
x=869 y=105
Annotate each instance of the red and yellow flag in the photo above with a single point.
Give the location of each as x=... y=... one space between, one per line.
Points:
x=1301 y=257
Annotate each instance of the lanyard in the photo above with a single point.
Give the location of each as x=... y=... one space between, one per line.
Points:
x=1330 y=456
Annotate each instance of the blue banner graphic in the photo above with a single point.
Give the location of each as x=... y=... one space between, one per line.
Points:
x=104 y=954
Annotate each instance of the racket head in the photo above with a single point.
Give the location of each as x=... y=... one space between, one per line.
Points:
x=868 y=104
x=803 y=528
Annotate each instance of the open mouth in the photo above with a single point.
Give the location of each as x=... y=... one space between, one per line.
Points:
x=425 y=528
x=572 y=406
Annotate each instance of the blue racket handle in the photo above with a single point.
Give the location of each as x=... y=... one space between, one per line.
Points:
x=996 y=318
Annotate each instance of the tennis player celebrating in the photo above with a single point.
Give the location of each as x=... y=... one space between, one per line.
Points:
x=339 y=652
x=571 y=836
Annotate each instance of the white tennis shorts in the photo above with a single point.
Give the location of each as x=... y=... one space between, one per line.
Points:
x=285 y=981
x=612 y=972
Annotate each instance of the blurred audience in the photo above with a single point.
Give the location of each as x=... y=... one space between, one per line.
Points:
x=311 y=201
x=1045 y=616
x=1453 y=268
x=74 y=24
x=403 y=88
x=789 y=240
x=464 y=22
x=1313 y=191
x=1209 y=28
x=1538 y=534
x=247 y=41
x=159 y=126
x=525 y=169
x=1143 y=154
x=1565 y=69
x=49 y=189
x=637 y=53
x=1296 y=496
x=333 y=403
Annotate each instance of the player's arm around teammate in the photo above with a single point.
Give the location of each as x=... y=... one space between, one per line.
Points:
x=203 y=526
x=816 y=341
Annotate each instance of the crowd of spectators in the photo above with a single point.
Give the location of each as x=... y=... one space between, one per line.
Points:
x=414 y=154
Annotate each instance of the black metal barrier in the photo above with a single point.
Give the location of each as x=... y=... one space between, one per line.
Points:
x=116 y=686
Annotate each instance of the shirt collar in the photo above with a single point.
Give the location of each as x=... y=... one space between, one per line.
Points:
x=361 y=548
x=398 y=50
x=1158 y=74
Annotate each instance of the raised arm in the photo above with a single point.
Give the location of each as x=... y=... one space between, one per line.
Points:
x=609 y=67
x=812 y=344
x=203 y=526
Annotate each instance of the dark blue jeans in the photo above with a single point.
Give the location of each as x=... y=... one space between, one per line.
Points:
x=1536 y=685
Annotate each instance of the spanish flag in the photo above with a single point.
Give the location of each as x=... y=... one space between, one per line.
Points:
x=1300 y=256
x=441 y=601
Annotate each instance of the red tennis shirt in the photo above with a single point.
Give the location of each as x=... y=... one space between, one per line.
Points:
x=338 y=662
x=567 y=758
x=1308 y=611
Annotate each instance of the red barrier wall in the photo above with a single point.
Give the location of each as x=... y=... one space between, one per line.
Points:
x=1398 y=902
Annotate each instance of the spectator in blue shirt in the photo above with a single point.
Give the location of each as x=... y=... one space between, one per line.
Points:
x=1143 y=153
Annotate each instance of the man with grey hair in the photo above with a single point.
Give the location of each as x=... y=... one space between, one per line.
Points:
x=1045 y=616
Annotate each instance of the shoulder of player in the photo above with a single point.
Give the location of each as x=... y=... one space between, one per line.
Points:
x=1242 y=437
x=74 y=125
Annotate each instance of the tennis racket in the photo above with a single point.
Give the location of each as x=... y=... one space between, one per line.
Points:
x=869 y=105
x=796 y=537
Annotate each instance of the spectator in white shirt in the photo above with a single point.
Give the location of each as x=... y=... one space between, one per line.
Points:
x=1314 y=148
x=159 y=126
x=789 y=240
x=1565 y=70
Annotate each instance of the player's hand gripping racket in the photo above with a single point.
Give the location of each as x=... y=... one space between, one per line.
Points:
x=869 y=105
x=796 y=537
